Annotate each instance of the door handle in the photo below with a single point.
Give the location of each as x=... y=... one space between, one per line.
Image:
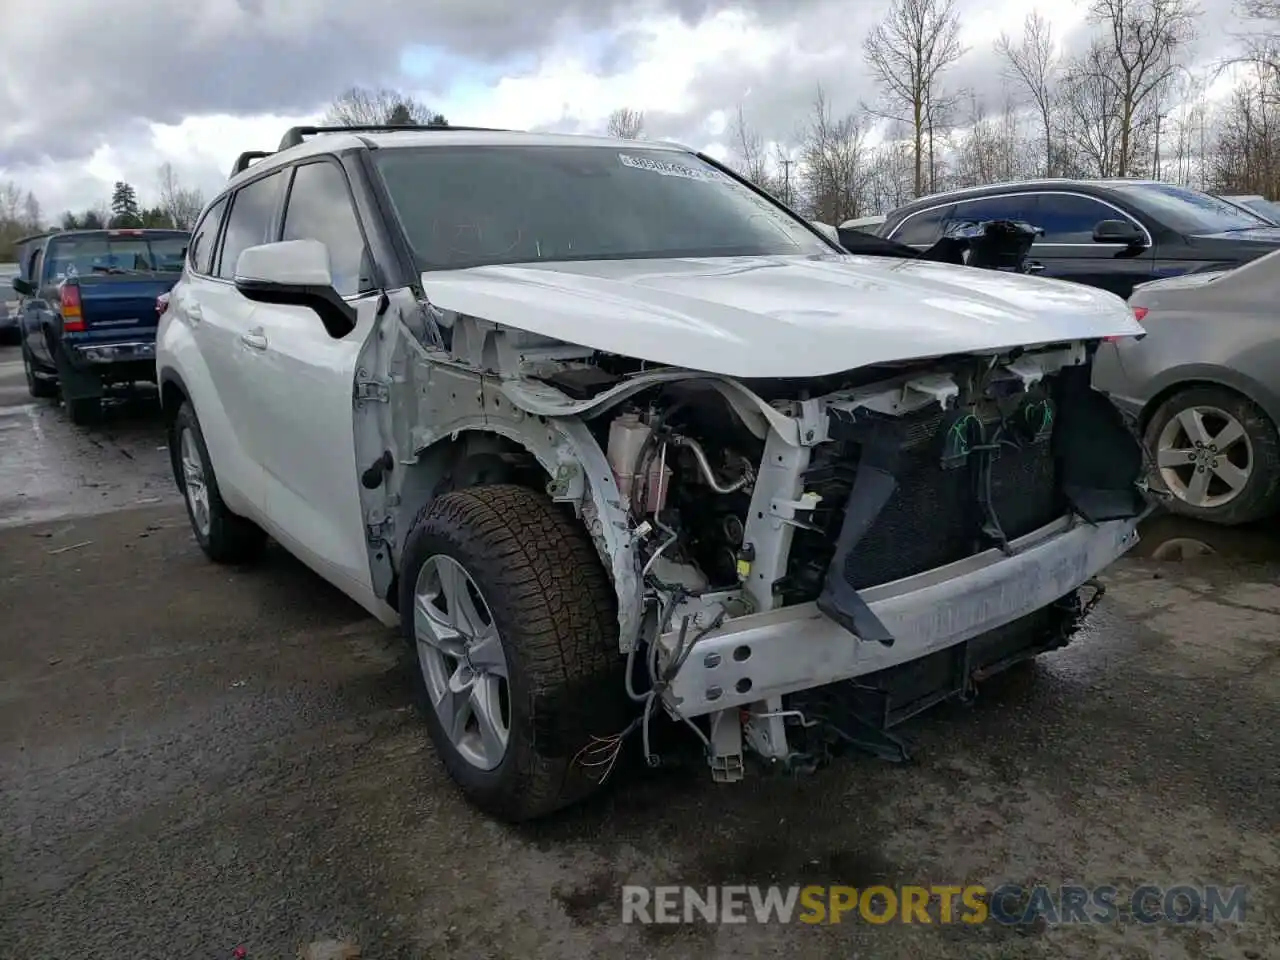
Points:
x=194 y=313
x=254 y=339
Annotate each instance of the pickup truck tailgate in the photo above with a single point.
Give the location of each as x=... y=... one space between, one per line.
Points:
x=121 y=305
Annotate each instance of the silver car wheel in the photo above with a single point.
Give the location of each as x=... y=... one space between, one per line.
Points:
x=462 y=661
x=193 y=481
x=1205 y=457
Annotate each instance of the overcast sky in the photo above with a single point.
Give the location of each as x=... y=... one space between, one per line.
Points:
x=96 y=91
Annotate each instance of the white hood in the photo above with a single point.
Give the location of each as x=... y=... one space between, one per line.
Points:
x=780 y=316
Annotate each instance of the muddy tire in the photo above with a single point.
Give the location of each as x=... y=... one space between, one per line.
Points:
x=39 y=387
x=225 y=537
x=537 y=606
x=84 y=411
x=1215 y=433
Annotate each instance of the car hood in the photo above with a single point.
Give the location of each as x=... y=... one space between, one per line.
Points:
x=780 y=316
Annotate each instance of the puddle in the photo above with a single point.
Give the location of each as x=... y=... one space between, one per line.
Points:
x=1167 y=537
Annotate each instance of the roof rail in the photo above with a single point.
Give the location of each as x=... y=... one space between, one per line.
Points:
x=294 y=135
x=243 y=161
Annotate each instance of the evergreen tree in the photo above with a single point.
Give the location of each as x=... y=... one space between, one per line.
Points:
x=400 y=116
x=124 y=206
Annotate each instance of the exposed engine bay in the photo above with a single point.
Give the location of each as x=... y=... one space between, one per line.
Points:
x=799 y=563
x=907 y=470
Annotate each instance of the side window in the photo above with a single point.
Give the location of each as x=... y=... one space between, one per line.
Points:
x=1068 y=218
x=200 y=253
x=34 y=266
x=1017 y=207
x=922 y=229
x=252 y=208
x=320 y=208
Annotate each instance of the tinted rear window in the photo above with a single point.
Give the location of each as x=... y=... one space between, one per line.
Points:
x=101 y=253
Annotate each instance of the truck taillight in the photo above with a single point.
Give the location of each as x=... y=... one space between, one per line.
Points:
x=162 y=304
x=72 y=320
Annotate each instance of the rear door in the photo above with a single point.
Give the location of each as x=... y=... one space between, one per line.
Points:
x=303 y=390
x=226 y=324
x=921 y=229
x=1067 y=250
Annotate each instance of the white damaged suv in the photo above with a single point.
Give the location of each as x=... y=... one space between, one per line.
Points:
x=609 y=433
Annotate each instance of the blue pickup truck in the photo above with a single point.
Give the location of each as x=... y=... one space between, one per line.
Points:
x=89 y=305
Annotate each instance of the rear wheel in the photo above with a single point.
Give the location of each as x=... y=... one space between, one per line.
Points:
x=84 y=410
x=513 y=619
x=225 y=537
x=42 y=388
x=1217 y=455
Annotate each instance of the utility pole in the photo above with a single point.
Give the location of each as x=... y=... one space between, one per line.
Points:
x=786 y=180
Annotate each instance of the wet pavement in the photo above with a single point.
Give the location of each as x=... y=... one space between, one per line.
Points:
x=50 y=468
x=195 y=759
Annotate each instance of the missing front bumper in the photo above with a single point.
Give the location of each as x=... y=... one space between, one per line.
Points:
x=783 y=651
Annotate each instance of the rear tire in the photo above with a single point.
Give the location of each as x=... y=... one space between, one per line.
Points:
x=1239 y=454
x=39 y=387
x=545 y=616
x=225 y=537
x=84 y=410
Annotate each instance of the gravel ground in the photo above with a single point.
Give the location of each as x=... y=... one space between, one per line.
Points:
x=194 y=759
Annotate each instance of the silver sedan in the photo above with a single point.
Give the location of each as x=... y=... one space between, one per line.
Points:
x=1204 y=385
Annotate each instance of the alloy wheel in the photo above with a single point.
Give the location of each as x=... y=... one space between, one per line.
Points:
x=1205 y=457
x=462 y=661
x=194 y=483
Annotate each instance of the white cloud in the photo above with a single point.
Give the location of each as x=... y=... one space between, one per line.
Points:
x=664 y=71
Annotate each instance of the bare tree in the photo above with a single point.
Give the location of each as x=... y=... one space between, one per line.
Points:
x=19 y=215
x=834 y=163
x=1090 y=115
x=32 y=219
x=888 y=182
x=181 y=205
x=993 y=149
x=1137 y=53
x=626 y=123
x=1033 y=63
x=365 y=106
x=750 y=158
x=1245 y=157
x=908 y=51
x=1262 y=35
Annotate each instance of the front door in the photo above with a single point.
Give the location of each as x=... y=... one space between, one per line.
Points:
x=1067 y=250
x=303 y=392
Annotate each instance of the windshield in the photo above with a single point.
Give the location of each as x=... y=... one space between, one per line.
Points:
x=102 y=253
x=1189 y=211
x=468 y=206
x=1265 y=207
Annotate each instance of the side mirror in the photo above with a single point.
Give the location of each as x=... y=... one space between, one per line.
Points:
x=1119 y=231
x=294 y=272
x=23 y=287
x=827 y=230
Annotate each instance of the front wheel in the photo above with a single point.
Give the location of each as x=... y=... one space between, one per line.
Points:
x=1216 y=454
x=513 y=619
x=225 y=537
